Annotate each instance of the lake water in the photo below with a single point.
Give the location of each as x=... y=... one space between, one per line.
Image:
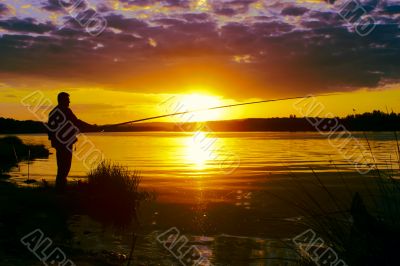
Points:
x=229 y=193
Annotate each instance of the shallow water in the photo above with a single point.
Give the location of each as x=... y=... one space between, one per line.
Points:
x=229 y=193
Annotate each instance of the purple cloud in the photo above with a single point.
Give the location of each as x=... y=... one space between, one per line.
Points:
x=4 y=9
x=317 y=50
x=294 y=11
x=26 y=25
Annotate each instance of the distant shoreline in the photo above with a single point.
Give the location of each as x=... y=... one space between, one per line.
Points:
x=376 y=121
x=216 y=132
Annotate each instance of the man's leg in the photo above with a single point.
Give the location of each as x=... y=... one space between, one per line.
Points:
x=64 y=159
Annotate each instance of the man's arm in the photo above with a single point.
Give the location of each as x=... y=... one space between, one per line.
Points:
x=82 y=125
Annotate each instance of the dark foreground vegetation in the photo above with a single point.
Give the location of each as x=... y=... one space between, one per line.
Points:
x=375 y=121
x=110 y=196
x=361 y=228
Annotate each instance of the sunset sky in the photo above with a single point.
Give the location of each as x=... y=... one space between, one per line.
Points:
x=204 y=52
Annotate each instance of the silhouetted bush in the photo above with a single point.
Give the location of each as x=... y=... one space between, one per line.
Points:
x=111 y=194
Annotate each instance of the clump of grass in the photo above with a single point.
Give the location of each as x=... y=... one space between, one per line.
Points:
x=111 y=194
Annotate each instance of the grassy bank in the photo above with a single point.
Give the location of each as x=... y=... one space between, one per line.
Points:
x=14 y=151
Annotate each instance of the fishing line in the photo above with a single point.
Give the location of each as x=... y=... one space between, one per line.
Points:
x=214 y=108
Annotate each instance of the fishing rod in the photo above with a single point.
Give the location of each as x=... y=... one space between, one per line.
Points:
x=214 y=108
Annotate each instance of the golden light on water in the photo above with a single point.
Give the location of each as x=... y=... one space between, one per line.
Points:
x=201 y=146
x=200 y=150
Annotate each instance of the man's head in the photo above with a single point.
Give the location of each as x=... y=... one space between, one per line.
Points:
x=63 y=99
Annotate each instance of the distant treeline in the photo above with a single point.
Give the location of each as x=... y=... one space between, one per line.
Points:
x=9 y=126
x=375 y=121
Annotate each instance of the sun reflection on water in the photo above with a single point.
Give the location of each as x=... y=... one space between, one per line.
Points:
x=200 y=150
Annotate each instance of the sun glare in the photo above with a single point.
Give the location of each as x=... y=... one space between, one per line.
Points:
x=199 y=101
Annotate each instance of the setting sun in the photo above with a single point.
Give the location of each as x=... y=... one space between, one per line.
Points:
x=199 y=102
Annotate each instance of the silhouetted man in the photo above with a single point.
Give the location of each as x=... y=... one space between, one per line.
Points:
x=63 y=126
